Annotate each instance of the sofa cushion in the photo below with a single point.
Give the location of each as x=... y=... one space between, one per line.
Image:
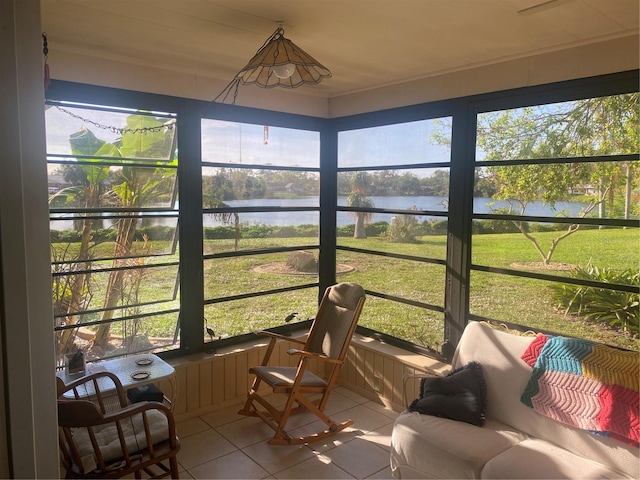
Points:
x=534 y=458
x=461 y=395
x=442 y=448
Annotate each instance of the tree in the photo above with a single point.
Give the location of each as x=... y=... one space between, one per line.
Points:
x=360 y=183
x=592 y=127
x=136 y=187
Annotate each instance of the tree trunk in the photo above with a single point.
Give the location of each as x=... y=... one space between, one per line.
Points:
x=124 y=240
x=359 y=231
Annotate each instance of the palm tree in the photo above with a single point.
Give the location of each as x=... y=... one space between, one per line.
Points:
x=360 y=183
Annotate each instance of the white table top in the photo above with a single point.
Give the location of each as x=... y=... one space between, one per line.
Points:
x=124 y=368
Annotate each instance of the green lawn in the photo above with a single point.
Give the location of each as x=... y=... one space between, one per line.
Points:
x=506 y=298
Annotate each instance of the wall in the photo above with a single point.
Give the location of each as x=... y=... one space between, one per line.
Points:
x=28 y=449
x=207 y=382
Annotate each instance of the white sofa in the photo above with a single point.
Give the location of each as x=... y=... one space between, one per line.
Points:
x=516 y=441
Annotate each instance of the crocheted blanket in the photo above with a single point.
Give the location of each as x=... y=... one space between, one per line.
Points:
x=586 y=385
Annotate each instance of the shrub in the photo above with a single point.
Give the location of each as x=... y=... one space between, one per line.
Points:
x=619 y=310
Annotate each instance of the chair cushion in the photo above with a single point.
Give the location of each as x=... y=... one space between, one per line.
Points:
x=135 y=439
x=285 y=376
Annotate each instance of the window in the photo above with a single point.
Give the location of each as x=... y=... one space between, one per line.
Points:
x=114 y=220
x=261 y=215
x=393 y=195
x=555 y=231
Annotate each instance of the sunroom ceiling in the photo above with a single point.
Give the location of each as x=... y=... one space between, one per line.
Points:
x=367 y=44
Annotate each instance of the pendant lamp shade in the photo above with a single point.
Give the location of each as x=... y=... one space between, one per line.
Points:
x=268 y=68
x=278 y=63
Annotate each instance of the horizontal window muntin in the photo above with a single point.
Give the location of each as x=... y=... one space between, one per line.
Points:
x=605 y=222
x=437 y=261
x=391 y=211
x=120 y=267
x=241 y=253
x=109 y=161
x=125 y=318
x=391 y=168
x=258 y=209
x=555 y=160
x=107 y=108
x=555 y=278
x=259 y=167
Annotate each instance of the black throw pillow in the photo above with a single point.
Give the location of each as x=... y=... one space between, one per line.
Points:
x=461 y=395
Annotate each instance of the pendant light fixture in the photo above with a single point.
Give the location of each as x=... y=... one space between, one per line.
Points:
x=278 y=63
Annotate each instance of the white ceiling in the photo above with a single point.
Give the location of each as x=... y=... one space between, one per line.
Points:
x=366 y=44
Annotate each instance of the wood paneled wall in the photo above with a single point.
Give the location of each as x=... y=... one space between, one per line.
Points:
x=206 y=382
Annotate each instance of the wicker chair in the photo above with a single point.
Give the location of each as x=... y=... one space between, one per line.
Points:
x=101 y=436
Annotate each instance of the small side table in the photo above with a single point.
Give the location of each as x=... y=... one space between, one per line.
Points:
x=132 y=371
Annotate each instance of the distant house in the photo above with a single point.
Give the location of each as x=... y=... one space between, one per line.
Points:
x=583 y=190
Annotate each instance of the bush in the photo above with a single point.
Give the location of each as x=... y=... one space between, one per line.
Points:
x=155 y=232
x=619 y=310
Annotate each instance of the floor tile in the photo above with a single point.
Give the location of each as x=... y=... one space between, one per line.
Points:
x=246 y=431
x=383 y=474
x=232 y=465
x=190 y=427
x=359 y=458
x=222 y=416
x=275 y=458
x=203 y=447
x=317 y=467
x=392 y=414
x=364 y=418
x=380 y=437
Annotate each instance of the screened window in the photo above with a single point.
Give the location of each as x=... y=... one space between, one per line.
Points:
x=261 y=216
x=114 y=222
x=555 y=230
x=393 y=196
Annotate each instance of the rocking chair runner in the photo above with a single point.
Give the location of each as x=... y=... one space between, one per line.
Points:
x=327 y=342
x=102 y=437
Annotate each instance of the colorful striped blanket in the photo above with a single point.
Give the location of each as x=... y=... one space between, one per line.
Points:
x=585 y=384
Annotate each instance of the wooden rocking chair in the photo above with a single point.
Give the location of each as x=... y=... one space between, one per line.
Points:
x=328 y=341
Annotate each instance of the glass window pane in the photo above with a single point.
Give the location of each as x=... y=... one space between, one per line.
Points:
x=602 y=190
x=424 y=189
x=408 y=234
x=237 y=317
x=593 y=126
x=121 y=289
x=241 y=187
x=418 y=281
x=424 y=141
x=531 y=303
x=416 y=325
x=99 y=186
x=504 y=246
x=255 y=273
x=244 y=143
x=231 y=232
x=154 y=333
x=99 y=133
x=153 y=236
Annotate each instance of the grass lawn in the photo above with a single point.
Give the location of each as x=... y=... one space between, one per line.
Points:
x=506 y=298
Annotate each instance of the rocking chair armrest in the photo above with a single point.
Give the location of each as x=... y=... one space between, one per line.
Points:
x=90 y=378
x=318 y=356
x=278 y=336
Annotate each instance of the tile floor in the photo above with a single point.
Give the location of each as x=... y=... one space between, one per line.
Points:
x=223 y=444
